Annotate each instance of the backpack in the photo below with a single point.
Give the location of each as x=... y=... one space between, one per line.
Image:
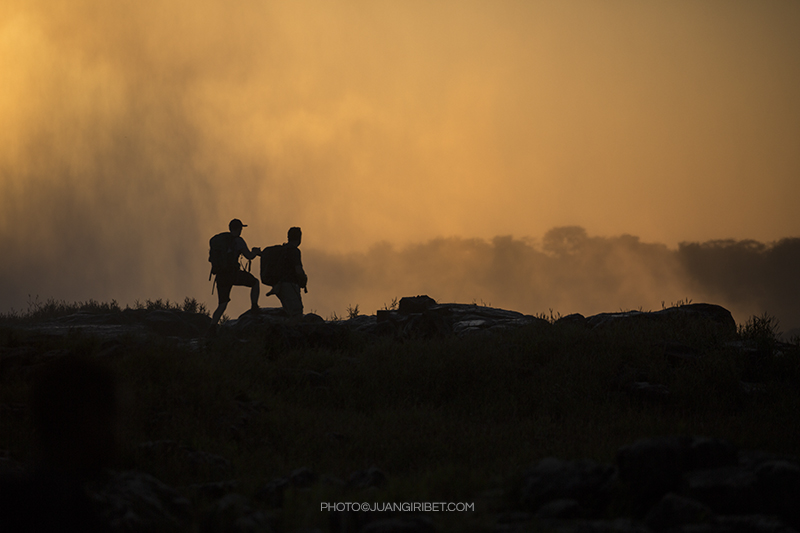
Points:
x=272 y=268
x=222 y=255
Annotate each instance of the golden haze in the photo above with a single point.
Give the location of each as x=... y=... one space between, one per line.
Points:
x=133 y=131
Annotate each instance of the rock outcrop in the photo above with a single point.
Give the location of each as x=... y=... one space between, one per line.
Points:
x=416 y=317
x=422 y=317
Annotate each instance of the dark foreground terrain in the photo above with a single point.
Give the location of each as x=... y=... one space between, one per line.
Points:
x=424 y=417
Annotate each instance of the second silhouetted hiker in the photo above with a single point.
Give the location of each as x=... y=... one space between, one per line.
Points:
x=282 y=268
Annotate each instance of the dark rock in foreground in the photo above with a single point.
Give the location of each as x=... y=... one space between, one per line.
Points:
x=135 y=501
x=657 y=485
x=667 y=484
x=578 y=488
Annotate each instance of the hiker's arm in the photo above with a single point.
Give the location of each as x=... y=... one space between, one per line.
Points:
x=245 y=251
x=251 y=254
x=301 y=275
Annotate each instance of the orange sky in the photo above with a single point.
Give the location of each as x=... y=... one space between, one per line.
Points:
x=154 y=122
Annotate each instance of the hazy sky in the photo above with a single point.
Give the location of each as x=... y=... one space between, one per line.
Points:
x=132 y=131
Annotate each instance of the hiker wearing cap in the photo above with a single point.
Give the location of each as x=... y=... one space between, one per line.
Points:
x=224 y=257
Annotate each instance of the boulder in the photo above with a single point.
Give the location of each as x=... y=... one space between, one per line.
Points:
x=234 y=514
x=710 y=320
x=575 y=320
x=272 y=492
x=364 y=479
x=778 y=485
x=654 y=467
x=675 y=511
x=303 y=477
x=588 y=483
x=423 y=318
x=727 y=490
x=214 y=489
x=137 y=502
x=415 y=304
x=706 y=452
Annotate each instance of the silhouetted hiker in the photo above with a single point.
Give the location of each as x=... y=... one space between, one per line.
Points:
x=73 y=406
x=224 y=256
x=291 y=276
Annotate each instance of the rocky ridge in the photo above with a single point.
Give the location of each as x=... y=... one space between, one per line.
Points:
x=664 y=484
x=415 y=317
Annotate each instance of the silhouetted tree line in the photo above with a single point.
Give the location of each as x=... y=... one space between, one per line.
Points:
x=571 y=271
x=748 y=272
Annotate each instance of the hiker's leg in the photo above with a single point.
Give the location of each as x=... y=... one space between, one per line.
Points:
x=298 y=300
x=254 y=295
x=289 y=295
x=279 y=290
x=248 y=280
x=218 y=313
x=224 y=295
